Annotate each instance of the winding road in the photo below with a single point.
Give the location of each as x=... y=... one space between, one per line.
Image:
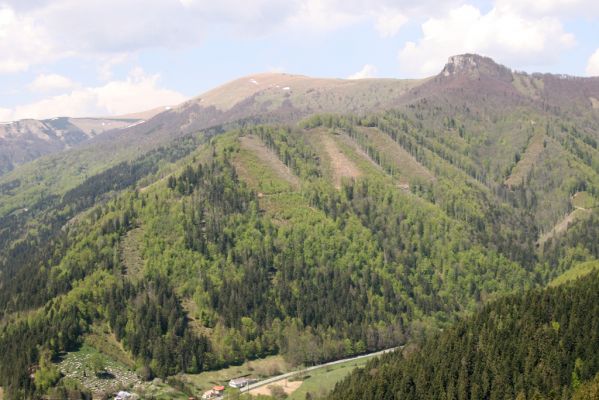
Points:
x=302 y=371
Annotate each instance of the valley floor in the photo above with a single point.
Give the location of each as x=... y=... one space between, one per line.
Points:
x=317 y=378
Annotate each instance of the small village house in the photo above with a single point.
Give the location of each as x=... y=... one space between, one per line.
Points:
x=239 y=383
x=217 y=392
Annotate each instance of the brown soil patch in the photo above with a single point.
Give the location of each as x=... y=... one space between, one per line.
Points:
x=529 y=158
x=594 y=103
x=257 y=147
x=288 y=386
x=342 y=167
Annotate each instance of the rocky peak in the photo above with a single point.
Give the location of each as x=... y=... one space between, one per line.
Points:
x=474 y=65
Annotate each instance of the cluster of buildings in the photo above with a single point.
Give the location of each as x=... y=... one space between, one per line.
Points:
x=216 y=393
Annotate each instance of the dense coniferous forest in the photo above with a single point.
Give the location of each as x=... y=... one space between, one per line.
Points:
x=542 y=345
x=434 y=224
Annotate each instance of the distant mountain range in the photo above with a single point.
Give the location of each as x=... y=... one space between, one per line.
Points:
x=25 y=140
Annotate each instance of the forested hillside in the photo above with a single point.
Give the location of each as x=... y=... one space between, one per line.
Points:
x=542 y=345
x=313 y=236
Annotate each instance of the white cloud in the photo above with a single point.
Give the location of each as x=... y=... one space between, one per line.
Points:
x=322 y=15
x=507 y=36
x=50 y=83
x=21 y=42
x=107 y=63
x=40 y=31
x=560 y=8
x=593 y=64
x=368 y=71
x=5 y=115
x=387 y=16
x=138 y=92
x=389 y=23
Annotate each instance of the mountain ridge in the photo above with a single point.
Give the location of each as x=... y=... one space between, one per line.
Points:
x=288 y=97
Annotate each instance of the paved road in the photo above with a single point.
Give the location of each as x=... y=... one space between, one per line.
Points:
x=302 y=371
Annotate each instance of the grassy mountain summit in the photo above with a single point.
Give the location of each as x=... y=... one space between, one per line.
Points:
x=310 y=218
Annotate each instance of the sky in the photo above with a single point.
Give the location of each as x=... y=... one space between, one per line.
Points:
x=111 y=57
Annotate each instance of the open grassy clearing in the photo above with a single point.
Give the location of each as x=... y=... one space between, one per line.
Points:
x=575 y=273
x=312 y=382
x=321 y=381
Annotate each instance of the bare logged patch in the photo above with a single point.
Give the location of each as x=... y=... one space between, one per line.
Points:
x=131 y=255
x=528 y=86
x=594 y=103
x=527 y=161
x=287 y=386
x=583 y=200
x=191 y=308
x=342 y=167
x=355 y=146
x=563 y=225
x=407 y=166
x=582 y=203
x=256 y=146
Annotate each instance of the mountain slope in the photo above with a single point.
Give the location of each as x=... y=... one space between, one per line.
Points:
x=328 y=219
x=236 y=103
